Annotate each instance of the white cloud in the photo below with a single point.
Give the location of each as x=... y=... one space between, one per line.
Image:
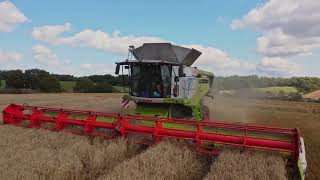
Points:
x=87 y=66
x=212 y=58
x=50 y=34
x=67 y=62
x=236 y=24
x=10 y=59
x=9 y=56
x=45 y=56
x=277 y=67
x=10 y=16
x=277 y=43
x=220 y=62
x=98 y=39
x=288 y=27
x=46 y=59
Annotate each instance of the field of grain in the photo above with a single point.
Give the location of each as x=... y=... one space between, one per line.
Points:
x=313 y=95
x=167 y=160
x=277 y=90
x=302 y=115
x=247 y=165
x=38 y=154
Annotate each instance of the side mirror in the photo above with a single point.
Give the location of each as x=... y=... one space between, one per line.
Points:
x=180 y=72
x=117 y=69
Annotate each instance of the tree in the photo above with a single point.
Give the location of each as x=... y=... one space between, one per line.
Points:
x=33 y=76
x=113 y=80
x=63 y=77
x=83 y=85
x=15 y=79
x=121 y=80
x=48 y=83
x=3 y=75
x=102 y=78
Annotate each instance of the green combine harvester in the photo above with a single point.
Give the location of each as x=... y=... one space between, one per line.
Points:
x=163 y=83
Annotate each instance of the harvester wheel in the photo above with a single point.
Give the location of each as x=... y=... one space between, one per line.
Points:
x=294 y=173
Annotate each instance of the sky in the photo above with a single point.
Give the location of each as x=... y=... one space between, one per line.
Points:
x=278 y=38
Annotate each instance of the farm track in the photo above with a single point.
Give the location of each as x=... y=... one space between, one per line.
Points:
x=221 y=109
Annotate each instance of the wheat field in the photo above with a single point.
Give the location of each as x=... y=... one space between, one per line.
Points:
x=233 y=164
x=40 y=154
x=167 y=160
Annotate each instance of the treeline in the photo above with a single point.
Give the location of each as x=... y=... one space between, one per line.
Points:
x=95 y=83
x=34 y=79
x=37 y=80
x=107 y=78
x=40 y=80
x=303 y=84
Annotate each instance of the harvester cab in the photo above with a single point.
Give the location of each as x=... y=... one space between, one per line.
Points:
x=163 y=83
x=169 y=95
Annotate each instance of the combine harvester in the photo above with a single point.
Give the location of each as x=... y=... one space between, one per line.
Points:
x=169 y=95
